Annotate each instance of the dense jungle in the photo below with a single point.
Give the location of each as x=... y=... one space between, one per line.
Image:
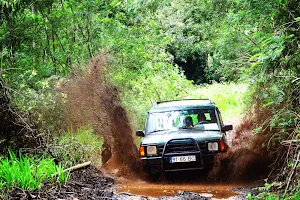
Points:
x=78 y=77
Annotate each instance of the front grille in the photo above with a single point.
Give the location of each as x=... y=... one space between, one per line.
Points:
x=182 y=147
x=179 y=147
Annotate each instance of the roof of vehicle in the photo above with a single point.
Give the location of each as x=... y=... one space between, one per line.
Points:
x=182 y=105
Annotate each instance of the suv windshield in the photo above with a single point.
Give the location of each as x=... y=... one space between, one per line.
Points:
x=195 y=119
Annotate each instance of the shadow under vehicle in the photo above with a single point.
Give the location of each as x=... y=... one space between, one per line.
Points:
x=182 y=135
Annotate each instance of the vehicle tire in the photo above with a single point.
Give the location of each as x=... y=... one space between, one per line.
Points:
x=154 y=177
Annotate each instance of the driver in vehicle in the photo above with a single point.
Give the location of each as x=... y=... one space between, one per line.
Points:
x=201 y=118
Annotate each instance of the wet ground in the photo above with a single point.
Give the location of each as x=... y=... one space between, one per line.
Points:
x=216 y=191
x=179 y=183
x=91 y=183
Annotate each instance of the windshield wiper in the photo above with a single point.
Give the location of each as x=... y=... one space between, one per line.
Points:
x=159 y=130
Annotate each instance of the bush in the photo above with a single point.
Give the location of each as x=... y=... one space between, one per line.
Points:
x=76 y=147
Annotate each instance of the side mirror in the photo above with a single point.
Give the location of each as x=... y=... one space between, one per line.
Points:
x=140 y=133
x=227 y=128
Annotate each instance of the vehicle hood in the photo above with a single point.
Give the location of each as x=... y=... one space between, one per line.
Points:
x=165 y=136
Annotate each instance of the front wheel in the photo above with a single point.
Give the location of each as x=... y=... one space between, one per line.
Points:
x=153 y=177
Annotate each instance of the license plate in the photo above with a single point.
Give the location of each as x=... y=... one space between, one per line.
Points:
x=177 y=159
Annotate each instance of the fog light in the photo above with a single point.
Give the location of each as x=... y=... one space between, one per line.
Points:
x=213 y=146
x=151 y=150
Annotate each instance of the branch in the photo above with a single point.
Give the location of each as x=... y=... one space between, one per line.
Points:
x=289 y=142
x=22 y=120
x=292 y=173
x=73 y=168
x=246 y=36
x=79 y=166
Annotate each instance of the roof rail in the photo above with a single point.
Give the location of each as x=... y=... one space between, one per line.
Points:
x=159 y=102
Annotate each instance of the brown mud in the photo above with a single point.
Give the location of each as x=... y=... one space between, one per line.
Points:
x=177 y=185
x=92 y=100
x=246 y=160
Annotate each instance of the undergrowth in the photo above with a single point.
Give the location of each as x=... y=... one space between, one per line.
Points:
x=28 y=172
x=267 y=195
x=74 y=147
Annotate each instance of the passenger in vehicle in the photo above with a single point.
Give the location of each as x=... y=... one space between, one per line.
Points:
x=188 y=122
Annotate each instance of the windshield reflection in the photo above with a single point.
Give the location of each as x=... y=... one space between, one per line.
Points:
x=195 y=119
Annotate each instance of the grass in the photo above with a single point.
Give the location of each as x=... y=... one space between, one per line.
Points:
x=31 y=172
x=28 y=173
x=229 y=97
x=74 y=147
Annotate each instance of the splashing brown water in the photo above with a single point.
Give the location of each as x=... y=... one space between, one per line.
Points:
x=92 y=100
x=248 y=158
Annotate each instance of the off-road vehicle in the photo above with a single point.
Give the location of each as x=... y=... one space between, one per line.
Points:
x=182 y=135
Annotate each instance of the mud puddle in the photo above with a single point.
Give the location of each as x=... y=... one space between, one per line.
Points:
x=178 y=184
x=159 y=190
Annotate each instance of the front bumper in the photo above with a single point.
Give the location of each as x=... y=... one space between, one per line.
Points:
x=161 y=164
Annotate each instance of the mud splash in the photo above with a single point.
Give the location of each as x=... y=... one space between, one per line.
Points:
x=247 y=159
x=92 y=100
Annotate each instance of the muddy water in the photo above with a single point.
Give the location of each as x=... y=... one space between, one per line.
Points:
x=216 y=191
x=176 y=183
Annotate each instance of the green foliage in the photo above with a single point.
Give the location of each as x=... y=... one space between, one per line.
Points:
x=77 y=147
x=29 y=173
x=269 y=192
x=229 y=97
x=212 y=40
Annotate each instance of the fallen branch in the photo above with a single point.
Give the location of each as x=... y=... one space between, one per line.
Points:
x=73 y=168
x=79 y=166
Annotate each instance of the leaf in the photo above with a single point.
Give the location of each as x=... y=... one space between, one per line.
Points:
x=255 y=56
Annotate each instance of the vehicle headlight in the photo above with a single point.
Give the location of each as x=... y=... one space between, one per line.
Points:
x=151 y=150
x=213 y=146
